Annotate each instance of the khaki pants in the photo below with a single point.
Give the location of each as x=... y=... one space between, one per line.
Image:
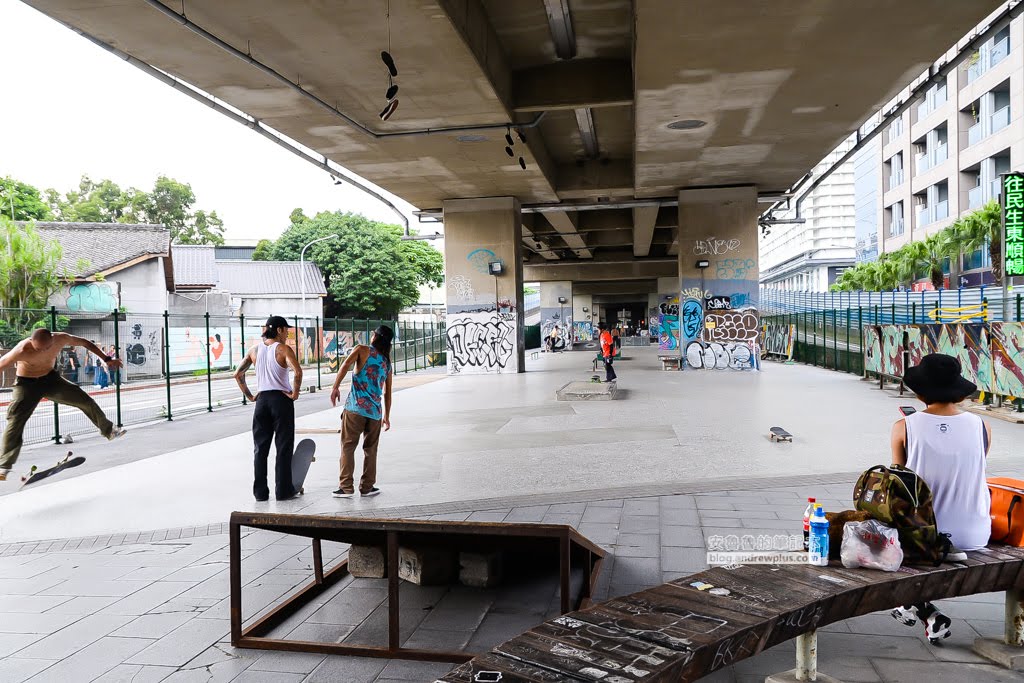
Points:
x=352 y=427
x=28 y=392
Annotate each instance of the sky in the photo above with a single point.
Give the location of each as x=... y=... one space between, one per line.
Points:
x=71 y=108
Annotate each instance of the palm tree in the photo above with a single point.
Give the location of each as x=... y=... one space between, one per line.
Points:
x=925 y=256
x=979 y=230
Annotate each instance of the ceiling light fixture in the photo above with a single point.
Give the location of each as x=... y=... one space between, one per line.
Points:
x=687 y=124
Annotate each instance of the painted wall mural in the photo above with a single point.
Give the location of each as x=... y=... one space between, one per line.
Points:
x=91 y=297
x=777 y=339
x=720 y=356
x=1007 y=343
x=990 y=360
x=725 y=326
x=143 y=347
x=481 y=259
x=726 y=340
x=668 y=324
x=190 y=347
x=583 y=331
x=481 y=342
x=693 y=319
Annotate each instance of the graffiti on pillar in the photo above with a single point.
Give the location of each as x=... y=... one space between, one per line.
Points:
x=726 y=326
x=668 y=324
x=461 y=287
x=481 y=259
x=718 y=303
x=480 y=342
x=583 y=331
x=713 y=246
x=720 y=356
x=653 y=324
x=693 y=319
x=90 y=297
x=695 y=293
x=736 y=269
x=507 y=310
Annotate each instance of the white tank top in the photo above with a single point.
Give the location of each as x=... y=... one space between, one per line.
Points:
x=948 y=452
x=270 y=376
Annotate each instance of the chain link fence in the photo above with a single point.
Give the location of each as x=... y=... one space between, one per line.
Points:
x=178 y=365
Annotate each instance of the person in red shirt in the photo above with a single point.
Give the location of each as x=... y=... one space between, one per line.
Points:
x=607 y=352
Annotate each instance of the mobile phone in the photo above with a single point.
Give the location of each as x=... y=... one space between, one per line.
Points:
x=908 y=410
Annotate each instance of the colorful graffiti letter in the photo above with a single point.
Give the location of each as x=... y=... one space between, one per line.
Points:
x=91 y=297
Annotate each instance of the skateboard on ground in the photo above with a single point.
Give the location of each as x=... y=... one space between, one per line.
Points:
x=596 y=379
x=301 y=460
x=35 y=474
x=779 y=434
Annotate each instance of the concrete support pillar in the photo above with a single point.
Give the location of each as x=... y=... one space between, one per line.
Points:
x=556 y=309
x=718 y=275
x=1008 y=652
x=485 y=310
x=665 y=315
x=583 y=317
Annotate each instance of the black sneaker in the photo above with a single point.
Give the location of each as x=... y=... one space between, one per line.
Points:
x=343 y=494
x=263 y=500
x=372 y=492
x=936 y=624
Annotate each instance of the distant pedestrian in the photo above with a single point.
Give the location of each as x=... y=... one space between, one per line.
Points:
x=617 y=339
x=101 y=378
x=363 y=415
x=607 y=352
x=274 y=417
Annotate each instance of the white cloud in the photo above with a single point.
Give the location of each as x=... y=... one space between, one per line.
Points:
x=71 y=108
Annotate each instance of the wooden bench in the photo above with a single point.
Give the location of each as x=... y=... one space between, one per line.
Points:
x=690 y=627
x=671 y=362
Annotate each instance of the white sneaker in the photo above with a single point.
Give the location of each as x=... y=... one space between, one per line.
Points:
x=117 y=433
x=906 y=616
x=956 y=555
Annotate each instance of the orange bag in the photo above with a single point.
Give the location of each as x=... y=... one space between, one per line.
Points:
x=1007 y=510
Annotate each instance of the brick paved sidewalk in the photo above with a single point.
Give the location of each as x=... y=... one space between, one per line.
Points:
x=154 y=607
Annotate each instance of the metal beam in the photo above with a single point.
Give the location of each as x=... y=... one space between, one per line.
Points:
x=564 y=223
x=644 y=219
x=531 y=239
x=594 y=82
x=560 y=23
x=588 y=133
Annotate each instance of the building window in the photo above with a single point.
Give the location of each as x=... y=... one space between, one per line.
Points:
x=895 y=217
x=977 y=259
x=990 y=114
x=896 y=170
x=895 y=130
x=934 y=98
x=992 y=52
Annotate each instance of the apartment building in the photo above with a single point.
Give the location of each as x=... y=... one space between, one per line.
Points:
x=942 y=157
x=809 y=256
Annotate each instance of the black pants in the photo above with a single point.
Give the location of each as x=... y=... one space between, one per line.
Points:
x=609 y=371
x=274 y=420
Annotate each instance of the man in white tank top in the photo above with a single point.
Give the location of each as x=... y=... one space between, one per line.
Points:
x=274 y=417
x=947 y=448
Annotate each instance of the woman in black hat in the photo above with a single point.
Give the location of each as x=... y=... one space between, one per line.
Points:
x=947 y=448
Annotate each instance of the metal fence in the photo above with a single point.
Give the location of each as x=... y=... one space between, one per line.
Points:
x=894 y=307
x=832 y=339
x=176 y=365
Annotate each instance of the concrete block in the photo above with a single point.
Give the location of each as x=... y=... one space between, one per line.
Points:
x=1008 y=656
x=367 y=562
x=587 y=391
x=480 y=570
x=790 y=677
x=426 y=566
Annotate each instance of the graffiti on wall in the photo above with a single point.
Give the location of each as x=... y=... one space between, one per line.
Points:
x=668 y=332
x=653 y=326
x=143 y=348
x=480 y=342
x=481 y=259
x=777 y=339
x=91 y=297
x=720 y=356
x=190 y=347
x=693 y=319
x=872 y=349
x=887 y=347
x=583 y=331
x=713 y=246
x=461 y=288
x=736 y=269
x=1007 y=340
x=726 y=326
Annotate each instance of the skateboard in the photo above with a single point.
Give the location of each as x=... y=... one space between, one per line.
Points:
x=301 y=460
x=779 y=434
x=35 y=474
x=596 y=379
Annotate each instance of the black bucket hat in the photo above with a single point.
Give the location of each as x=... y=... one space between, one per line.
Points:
x=939 y=379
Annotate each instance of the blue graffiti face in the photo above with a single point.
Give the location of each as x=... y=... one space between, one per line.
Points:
x=693 y=318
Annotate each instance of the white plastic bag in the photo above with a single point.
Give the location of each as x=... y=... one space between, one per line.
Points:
x=872 y=545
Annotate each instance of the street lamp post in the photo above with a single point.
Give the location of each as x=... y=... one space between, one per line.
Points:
x=302 y=267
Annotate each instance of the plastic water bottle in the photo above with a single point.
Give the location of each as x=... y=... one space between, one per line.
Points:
x=807 y=523
x=818 y=552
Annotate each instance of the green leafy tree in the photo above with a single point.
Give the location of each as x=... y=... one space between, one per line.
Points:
x=22 y=202
x=924 y=258
x=426 y=262
x=981 y=229
x=365 y=269
x=30 y=271
x=264 y=250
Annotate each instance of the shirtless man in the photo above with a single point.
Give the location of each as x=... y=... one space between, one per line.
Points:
x=37 y=379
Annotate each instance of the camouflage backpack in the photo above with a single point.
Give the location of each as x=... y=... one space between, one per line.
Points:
x=898 y=497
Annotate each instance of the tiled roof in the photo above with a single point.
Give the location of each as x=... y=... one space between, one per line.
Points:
x=194 y=266
x=268 y=277
x=105 y=245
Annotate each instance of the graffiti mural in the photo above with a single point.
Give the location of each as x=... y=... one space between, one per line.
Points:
x=143 y=348
x=736 y=269
x=966 y=342
x=726 y=326
x=892 y=350
x=583 y=331
x=718 y=303
x=190 y=347
x=872 y=349
x=91 y=297
x=668 y=332
x=714 y=247
x=1008 y=359
x=889 y=348
x=693 y=319
x=481 y=342
x=462 y=288
x=777 y=339
x=481 y=259
x=720 y=356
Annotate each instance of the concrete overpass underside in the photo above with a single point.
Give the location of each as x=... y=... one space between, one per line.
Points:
x=647 y=130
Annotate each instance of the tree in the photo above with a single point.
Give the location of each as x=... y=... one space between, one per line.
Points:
x=264 y=250
x=21 y=202
x=170 y=204
x=426 y=261
x=30 y=271
x=924 y=257
x=366 y=270
x=981 y=229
